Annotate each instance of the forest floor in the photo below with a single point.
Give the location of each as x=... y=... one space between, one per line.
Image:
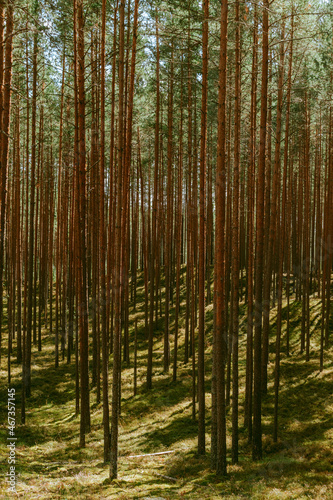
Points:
x=50 y=464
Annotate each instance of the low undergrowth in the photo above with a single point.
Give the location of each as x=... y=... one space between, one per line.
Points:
x=50 y=464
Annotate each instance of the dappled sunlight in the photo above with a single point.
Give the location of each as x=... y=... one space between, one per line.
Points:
x=161 y=420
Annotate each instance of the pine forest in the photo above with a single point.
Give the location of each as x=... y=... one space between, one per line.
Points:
x=166 y=249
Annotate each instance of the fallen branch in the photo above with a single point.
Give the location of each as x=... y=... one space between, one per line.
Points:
x=150 y=454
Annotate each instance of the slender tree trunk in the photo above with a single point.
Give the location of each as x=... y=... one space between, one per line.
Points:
x=250 y=234
x=18 y=235
x=81 y=215
x=307 y=263
x=144 y=253
x=289 y=201
x=3 y=189
x=24 y=367
x=112 y=191
x=118 y=234
x=189 y=203
x=327 y=244
x=178 y=229
x=153 y=247
x=5 y=128
x=235 y=241
x=219 y=338
x=209 y=238
x=257 y=433
x=105 y=354
x=31 y=221
x=202 y=242
x=168 y=240
x=273 y=220
x=281 y=246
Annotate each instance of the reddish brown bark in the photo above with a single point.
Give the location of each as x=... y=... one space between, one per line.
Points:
x=202 y=237
x=257 y=433
x=235 y=240
x=5 y=91
x=168 y=254
x=155 y=195
x=118 y=234
x=282 y=233
x=105 y=353
x=178 y=230
x=218 y=404
x=250 y=234
x=81 y=224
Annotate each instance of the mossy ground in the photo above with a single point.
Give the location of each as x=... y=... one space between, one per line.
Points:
x=50 y=464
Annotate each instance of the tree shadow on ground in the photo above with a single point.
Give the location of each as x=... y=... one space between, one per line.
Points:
x=166 y=436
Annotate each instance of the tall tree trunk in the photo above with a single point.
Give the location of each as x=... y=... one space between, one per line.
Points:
x=5 y=127
x=3 y=190
x=189 y=201
x=105 y=354
x=24 y=368
x=282 y=236
x=153 y=247
x=178 y=227
x=273 y=220
x=235 y=241
x=257 y=433
x=81 y=216
x=290 y=194
x=18 y=235
x=31 y=217
x=250 y=234
x=112 y=191
x=209 y=237
x=202 y=245
x=306 y=257
x=168 y=240
x=219 y=337
x=118 y=234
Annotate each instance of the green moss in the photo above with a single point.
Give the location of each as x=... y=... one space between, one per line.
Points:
x=51 y=465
